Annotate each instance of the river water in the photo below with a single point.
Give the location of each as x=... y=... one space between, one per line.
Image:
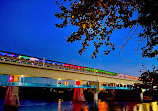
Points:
x=42 y=105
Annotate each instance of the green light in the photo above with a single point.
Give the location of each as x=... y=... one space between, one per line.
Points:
x=90 y=69
x=101 y=71
x=25 y=57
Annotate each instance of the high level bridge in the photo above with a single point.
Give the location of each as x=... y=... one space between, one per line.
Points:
x=20 y=65
x=17 y=66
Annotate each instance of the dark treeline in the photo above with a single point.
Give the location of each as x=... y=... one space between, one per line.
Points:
x=2 y=92
x=54 y=94
x=49 y=94
x=120 y=95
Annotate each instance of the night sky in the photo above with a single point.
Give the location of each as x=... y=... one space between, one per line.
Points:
x=28 y=27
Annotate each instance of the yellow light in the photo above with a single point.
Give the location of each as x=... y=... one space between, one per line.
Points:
x=22 y=75
x=143 y=90
x=15 y=79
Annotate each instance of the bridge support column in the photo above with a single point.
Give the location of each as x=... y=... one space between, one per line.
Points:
x=12 y=97
x=141 y=95
x=12 y=94
x=78 y=93
x=95 y=92
x=113 y=93
x=15 y=91
x=95 y=100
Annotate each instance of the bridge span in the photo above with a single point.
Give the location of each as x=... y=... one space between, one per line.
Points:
x=14 y=68
x=17 y=65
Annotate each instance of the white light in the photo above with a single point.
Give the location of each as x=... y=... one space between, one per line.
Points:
x=90 y=31
x=22 y=75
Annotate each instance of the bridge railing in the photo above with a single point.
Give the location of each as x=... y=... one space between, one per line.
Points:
x=48 y=65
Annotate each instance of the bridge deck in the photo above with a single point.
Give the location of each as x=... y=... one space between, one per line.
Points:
x=14 y=68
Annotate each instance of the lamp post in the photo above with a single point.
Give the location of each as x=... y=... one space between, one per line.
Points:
x=44 y=61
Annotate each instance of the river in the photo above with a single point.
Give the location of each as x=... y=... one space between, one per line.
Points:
x=42 y=105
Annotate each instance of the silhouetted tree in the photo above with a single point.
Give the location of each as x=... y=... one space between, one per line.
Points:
x=97 y=19
x=150 y=79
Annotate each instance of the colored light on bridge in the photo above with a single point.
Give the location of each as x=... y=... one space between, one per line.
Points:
x=77 y=82
x=33 y=59
x=24 y=57
x=15 y=79
x=11 y=78
x=66 y=83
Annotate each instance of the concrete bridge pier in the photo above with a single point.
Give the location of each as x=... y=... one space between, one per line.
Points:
x=95 y=99
x=78 y=93
x=112 y=93
x=141 y=95
x=12 y=94
x=95 y=92
x=12 y=97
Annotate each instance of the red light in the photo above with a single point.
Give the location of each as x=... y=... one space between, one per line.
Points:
x=11 y=78
x=77 y=82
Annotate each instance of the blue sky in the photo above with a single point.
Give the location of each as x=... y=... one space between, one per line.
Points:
x=28 y=27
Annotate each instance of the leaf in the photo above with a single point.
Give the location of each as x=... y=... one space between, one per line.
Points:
x=104 y=16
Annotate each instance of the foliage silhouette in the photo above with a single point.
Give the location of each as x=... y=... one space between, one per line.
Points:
x=97 y=19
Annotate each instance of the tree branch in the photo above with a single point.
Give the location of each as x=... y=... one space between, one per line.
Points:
x=126 y=43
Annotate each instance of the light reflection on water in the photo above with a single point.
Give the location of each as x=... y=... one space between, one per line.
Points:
x=41 y=105
x=152 y=106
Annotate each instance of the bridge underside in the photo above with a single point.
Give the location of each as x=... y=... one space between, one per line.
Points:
x=17 y=84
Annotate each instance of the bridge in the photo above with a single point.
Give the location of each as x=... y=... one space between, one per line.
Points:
x=18 y=69
x=18 y=66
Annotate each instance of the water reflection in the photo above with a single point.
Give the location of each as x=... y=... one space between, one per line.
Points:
x=152 y=106
x=125 y=106
x=78 y=106
x=102 y=106
x=59 y=105
x=36 y=105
